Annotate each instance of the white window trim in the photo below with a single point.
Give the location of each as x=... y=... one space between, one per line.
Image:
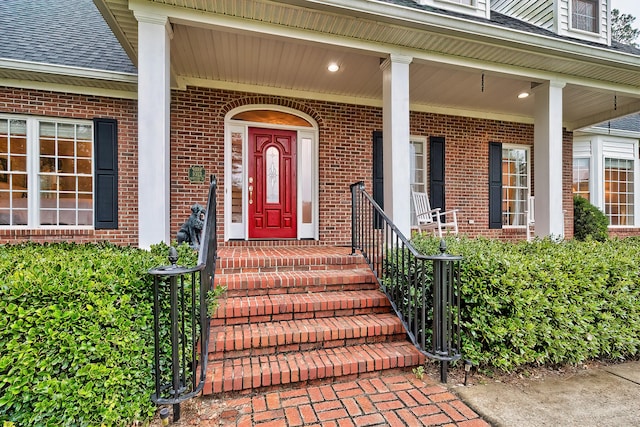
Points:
x=33 y=170
x=528 y=150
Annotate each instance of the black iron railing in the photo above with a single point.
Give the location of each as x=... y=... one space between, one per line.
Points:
x=180 y=299
x=422 y=289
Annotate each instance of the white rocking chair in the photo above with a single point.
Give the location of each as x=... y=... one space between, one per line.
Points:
x=433 y=219
x=531 y=218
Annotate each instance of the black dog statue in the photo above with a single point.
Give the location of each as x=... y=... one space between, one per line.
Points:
x=191 y=230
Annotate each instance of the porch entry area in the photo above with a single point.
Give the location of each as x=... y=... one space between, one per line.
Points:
x=271 y=174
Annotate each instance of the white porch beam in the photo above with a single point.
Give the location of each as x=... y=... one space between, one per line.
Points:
x=154 y=98
x=395 y=133
x=547 y=147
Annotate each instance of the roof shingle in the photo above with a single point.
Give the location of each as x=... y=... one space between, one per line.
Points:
x=60 y=32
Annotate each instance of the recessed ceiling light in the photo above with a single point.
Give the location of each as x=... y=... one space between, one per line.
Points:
x=333 y=67
x=523 y=95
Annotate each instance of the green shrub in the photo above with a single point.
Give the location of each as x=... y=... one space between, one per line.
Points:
x=588 y=221
x=76 y=345
x=546 y=303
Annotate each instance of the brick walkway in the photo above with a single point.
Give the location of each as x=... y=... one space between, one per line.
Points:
x=396 y=400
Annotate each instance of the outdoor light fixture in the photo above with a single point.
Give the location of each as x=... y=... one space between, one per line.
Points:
x=333 y=67
x=467 y=367
x=164 y=416
x=523 y=95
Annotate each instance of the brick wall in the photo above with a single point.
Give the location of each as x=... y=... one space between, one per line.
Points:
x=345 y=141
x=85 y=107
x=345 y=156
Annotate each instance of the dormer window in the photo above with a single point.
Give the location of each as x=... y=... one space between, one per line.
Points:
x=584 y=15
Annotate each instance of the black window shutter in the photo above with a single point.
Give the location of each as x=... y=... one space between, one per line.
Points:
x=378 y=169
x=105 y=142
x=436 y=173
x=495 y=185
x=378 y=174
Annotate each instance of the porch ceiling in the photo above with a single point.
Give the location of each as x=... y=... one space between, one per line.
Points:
x=224 y=43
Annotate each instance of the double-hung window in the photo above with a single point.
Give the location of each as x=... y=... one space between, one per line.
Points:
x=619 y=191
x=515 y=185
x=46 y=173
x=584 y=15
x=581 y=176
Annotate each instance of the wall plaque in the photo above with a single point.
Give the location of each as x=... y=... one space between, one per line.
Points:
x=196 y=173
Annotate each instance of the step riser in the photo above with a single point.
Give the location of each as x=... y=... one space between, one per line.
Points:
x=287 y=268
x=255 y=291
x=261 y=351
x=265 y=371
x=321 y=314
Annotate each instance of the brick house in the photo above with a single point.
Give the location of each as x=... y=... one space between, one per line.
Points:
x=111 y=115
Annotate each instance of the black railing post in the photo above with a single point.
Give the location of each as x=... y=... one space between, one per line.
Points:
x=187 y=333
x=354 y=214
x=445 y=306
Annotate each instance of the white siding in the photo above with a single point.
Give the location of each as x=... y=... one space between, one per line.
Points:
x=581 y=148
x=618 y=149
x=535 y=12
x=478 y=8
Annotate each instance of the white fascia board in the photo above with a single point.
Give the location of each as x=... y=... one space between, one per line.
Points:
x=497 y=34
x=605 y=131
x=63 y=88
x=604 y=116
x=64 y=70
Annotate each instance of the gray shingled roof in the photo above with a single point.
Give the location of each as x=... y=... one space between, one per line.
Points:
x=61 y=32
x=515 y=24
x=628 y=123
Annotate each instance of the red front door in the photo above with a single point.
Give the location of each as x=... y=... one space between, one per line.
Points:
x=272 y=184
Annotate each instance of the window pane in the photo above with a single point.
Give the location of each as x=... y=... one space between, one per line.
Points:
x=273 y=175
x=84 y=133
x=584 y=15
x=47 y=147
x=85 y=149
x=619 y=191
x=515 y=186
x=66 y=166
x=85 y=184
x=236 y=177
x=47 y=129
x=306 y=190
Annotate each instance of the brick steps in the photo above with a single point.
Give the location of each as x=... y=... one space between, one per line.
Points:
x=303 y=334
x=233 y=375
x=292 y=315
x=263 y=283
x=265 y=308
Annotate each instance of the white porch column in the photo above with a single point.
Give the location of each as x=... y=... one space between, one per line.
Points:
x=395 y=133
x=154 y=99
x=547 y=148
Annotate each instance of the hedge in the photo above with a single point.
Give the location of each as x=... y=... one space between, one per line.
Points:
x=546 y=303
x=76 y=338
